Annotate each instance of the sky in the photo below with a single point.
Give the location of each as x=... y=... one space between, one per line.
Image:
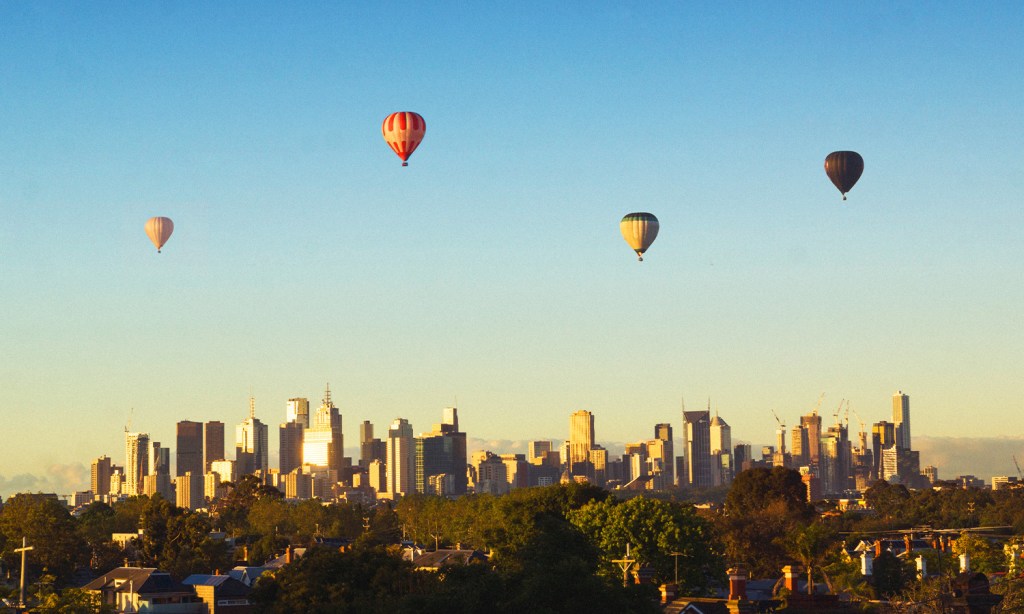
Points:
x=490 y=272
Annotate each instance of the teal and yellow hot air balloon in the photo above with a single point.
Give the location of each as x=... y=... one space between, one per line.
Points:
x=639 y=230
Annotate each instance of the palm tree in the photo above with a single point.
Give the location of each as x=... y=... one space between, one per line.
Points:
x=811 y=545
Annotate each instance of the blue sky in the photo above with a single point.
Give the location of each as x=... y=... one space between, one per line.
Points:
x=491 y=269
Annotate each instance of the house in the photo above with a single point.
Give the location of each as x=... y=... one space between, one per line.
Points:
x=221 y=594
x=438 y=559
x=145 y=589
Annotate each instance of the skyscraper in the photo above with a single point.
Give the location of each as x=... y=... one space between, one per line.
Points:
x=189 y=451
x=811 y=424
x=581 y=441
x=663 y=432
x=251 y=439
x=442 y=453
x=101 y=476
x=290 y=446
x=370 y=448
x=213 y=444
x=401 y=461
x=323 y=442
x=697 y=448
x=136 y=462
x=721 y=449
x=901 y=419
x=297 y=411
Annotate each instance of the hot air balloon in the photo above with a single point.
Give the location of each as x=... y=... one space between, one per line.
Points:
x=844 y=169
x=159 y=230
x=639 y=230
x=403 y=131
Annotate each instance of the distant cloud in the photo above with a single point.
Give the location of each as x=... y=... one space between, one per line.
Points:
x=60 y=479
x=982 y=457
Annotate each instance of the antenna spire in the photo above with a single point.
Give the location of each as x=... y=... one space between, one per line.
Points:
x=327 y=396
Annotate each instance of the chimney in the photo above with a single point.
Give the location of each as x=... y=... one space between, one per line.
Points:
x=907 y=544
x=289 y=554
x=669 y=592
x=737 y=583
x=867 y=563
x=790 y=575
x=965 y=562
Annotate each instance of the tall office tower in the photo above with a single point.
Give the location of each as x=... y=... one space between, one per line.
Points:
x=297 y=411
x=227 y=470
x=697 y=447
x=834 y=464
x=213 y=445
x=901 y=419
x=721 y=445
x=811 y=424
x=450 y=416
x=537 y=451
x=581 y=440
x=323 y=442
x=101 y=475
x=401 y=460
x=251 y=439
x=290 y=446
x=663 y=432
x=136 y=462
x=189 y=455
x=883 y=435
x=442 y=452
x=370 y=448
x=160 y=471
x=798 y=445
x=743 y=456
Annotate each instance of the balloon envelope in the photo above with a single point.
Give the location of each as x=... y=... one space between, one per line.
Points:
x=404 y=131
x=639 y=230
x=159 y=230
x=844 y=169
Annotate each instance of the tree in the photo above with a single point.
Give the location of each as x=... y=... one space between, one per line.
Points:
x=811 y=545
x=49 y=529
x=891 y=575
x=653 y=529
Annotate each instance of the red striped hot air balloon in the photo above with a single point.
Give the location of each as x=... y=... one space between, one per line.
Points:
x=403 y=132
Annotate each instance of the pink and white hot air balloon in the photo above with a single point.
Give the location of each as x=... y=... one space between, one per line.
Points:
x=403 y=132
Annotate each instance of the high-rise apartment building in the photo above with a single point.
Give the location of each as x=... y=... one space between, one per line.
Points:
x=901 y=419
x=297 y=411
x=323 y=442
x=883 y=435
x=213 y=443
x=189 y=451
x=697 y=448
x=136 y=462
x=251 y=443
x=401 y=460
x=101 y=471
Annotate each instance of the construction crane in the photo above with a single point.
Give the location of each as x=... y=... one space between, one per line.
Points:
x=1019 y=473
x=838 y=409
x=782 y=434
x=817 y=405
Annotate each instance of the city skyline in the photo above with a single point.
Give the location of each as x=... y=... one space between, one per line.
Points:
x=490 y=273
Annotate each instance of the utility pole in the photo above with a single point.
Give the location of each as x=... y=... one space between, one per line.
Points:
x=676 y=556
x=24 y=548
x=625 y=564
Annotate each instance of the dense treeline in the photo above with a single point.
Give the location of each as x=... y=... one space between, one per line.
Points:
x=545 y=545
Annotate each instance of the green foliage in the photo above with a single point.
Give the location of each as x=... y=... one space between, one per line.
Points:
x=811 y=545
x=759 y=489
x=654 y=530
x=73 y=601
x=891 y=575
x=985 y=556
x=49 y=529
